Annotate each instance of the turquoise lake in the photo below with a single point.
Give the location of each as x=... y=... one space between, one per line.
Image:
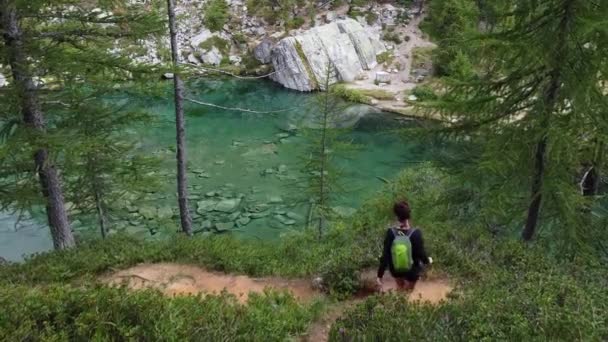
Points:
x=255 y=159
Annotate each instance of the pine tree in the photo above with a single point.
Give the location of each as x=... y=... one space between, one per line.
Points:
x=53 y=49
x=182 y=180
x=106 y=166
x=535 y=104
x=326 y=144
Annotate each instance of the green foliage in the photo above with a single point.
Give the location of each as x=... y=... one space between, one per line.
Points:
x=239 y=38
x=349 y=94
x=506 y=289
x=528 y=115
x=326 y=145
x=385 y=57
x=274 y=12
x=216 y=14
x=86 y=57
x=517 y=294
x=422 y=57
x=221 y=44
x=392 y=37
x=424 y=93
x=294 y=23
x=449 y=21
x=111 y=314
x=371 y=18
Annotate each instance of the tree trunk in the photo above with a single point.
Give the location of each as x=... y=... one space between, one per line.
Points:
x=182 y=181
x=534 y=208
x=549 y=103
x=33 y=117
x=100 y=214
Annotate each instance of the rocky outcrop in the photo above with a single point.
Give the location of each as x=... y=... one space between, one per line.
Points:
x=263 y=50
x=301 y=62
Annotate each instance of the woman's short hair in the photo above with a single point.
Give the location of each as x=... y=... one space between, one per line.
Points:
x=402 y=210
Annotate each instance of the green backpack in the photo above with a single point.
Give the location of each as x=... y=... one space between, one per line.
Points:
x=403 y=258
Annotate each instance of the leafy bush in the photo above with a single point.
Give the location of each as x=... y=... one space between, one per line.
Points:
x=349 y=94
x=294 y=23
x=392 y=37
x=424 y=93
x=113 y=314
x=221 y=44
x=216 y=14
x=240 y=38
x=371 y=18
x=385 y=57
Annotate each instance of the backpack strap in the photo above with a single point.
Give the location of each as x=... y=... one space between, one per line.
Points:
x=397 y=232
x=410 y=232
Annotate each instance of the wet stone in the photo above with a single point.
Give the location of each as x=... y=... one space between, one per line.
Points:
x=228 y=205
x=224 y=226
x=276 y=199
x=294 y=216
x=165 y=213
x=259 y=215
x=205 y=206
x=243 y=221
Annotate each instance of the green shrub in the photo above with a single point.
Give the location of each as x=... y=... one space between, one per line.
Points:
x=221 y=44
x=239 y=38
x=102 y=313
x=385 y=57
x=349 y=94
x=216 y=14
x=392 y=37
x=424 y=93
x=294 y=23
x=371 y=18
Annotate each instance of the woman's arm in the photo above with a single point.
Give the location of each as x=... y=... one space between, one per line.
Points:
x=418 y=247
x=386 y=250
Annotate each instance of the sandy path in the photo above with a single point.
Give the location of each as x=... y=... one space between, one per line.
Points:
x=177 y=279
x=431 y=290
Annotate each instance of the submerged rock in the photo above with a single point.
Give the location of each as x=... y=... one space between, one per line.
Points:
x=165 y=213
x=228 y=205
x=224 y=226
x=205 y=206
x=243 y=221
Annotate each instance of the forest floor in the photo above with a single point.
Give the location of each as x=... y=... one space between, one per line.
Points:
x=178 y=279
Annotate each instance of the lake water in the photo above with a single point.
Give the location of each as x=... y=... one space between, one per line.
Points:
x=252 y=159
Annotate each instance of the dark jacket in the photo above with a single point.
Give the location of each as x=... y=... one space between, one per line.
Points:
x=418 y=251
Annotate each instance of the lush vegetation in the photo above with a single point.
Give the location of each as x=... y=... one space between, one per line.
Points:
x=216 y=14
x=506 y=288
x=111 y=314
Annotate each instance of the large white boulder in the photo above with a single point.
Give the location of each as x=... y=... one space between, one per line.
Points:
x=301 y=62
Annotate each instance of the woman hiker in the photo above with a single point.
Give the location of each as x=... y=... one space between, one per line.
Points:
x=403 y=254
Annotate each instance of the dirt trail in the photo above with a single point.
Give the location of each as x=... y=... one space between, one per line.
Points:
x=177 y=279
x=431 y=290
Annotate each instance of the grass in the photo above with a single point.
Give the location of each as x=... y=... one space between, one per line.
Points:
x=422 y=56
x=221 y=44
x=507 y=290
x=307 y=66
x=385 y=57
x=378 y=94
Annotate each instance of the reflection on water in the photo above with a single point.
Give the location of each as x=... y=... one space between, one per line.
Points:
x=22 y=238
